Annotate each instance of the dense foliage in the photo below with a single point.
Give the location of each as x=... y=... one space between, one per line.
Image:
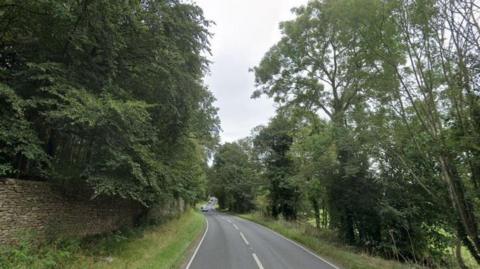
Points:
x=233 y=178
x=106 y=94
x=271 y=145
x=377 y=136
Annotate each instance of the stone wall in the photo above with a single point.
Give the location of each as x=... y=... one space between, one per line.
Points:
x=27 y=206
x=165 y=210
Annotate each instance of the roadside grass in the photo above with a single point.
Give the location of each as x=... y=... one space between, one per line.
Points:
x=324 y=245
x=26 y=254
x=164 y=246
x=160 y=247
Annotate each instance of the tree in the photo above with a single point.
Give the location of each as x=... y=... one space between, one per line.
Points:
x=323 y=62
x=314 y=156
x=397 y=82
x=233 y=179
x=436 y=89
x=272 y=145
x=109 y=94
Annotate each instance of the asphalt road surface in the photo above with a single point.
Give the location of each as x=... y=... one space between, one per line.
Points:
x=234 y=243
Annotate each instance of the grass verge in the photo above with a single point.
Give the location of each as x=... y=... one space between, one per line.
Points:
x=163 y=246
x=342 y=256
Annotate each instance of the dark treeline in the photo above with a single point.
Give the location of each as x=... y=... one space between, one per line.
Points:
x=377 y=135
x=108 y=95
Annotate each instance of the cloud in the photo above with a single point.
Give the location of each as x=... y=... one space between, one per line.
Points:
x=244 y=31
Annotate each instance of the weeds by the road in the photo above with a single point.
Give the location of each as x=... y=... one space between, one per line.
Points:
x=161 y=247
x=164 y=247
x=324 y=245
x=27 y=254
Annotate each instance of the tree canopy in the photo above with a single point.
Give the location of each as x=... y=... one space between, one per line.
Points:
x=107 y=94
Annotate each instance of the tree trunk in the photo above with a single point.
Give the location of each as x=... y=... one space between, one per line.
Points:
x=474 y=163
x=344 y=180
x=325 y=218
x=316 y=211
x=463 y=207
x=349 y=230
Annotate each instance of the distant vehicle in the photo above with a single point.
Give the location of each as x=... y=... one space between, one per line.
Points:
x=210 y=205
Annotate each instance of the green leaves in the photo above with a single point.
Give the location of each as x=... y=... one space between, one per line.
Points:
x=111 y=92
x=18 y=140
x=397 y=86
x=233 y=179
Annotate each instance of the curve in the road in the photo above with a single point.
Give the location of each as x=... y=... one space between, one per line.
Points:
x=198 y=247
x=245 y=245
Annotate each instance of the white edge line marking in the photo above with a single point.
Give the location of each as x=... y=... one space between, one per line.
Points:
x=198 y=247
x=259 y=264
x=297 y=244
x=235 y=226
x=244 y=239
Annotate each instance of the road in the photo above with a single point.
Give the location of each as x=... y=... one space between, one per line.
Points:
x=234 y=243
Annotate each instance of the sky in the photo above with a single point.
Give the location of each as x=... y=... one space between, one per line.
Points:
x=244 y=31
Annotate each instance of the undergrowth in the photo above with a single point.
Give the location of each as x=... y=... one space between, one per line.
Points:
x=139 y=247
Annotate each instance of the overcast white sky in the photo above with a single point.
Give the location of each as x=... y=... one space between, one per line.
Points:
x=244 y=31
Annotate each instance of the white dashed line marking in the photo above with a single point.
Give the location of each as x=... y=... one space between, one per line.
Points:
x=235 y=226
x=244 y=239
x=259 y=264
x=295 y=243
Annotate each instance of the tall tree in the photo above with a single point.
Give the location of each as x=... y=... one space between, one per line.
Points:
x=109 y=93
x=272 y=144
x=437 y=90
x=323 y=63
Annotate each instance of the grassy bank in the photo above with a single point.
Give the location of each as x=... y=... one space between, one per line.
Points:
x=324 y=245
x=164 y=247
